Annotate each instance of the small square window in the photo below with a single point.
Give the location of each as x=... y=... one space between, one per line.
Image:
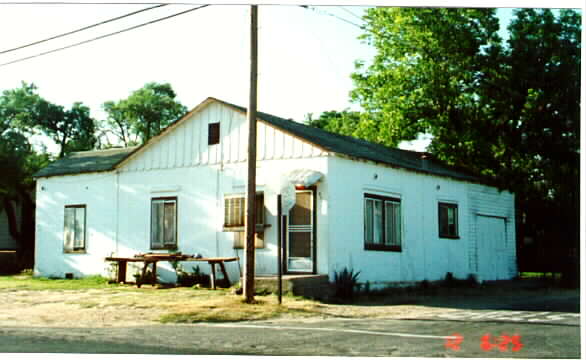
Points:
x=213 y=133
x=448 y=220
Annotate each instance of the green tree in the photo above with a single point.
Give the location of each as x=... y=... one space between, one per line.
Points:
x=18 y=161
x=505 y=110
x=144 y=114
x=72 y=130
x=340 y=122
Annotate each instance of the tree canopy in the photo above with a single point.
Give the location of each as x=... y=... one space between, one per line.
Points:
x=144 y=114
x=24 y=109
x=504 y=109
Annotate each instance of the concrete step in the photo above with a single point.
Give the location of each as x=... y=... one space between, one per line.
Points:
x=311 y=286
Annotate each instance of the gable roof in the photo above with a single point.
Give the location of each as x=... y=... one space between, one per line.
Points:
x=107 y=160
x=86 y=162
x=362 y=149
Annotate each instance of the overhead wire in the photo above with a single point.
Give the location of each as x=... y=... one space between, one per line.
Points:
x=103 y=36
x=82 y=29
x=322 y=12
x=350 y=12
x=85 y=3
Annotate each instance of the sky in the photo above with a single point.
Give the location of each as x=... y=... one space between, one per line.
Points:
x=306 y=56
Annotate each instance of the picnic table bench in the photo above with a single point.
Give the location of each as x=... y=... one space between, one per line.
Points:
x=152 y=259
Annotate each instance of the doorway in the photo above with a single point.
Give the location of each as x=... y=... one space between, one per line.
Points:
x=300 y=242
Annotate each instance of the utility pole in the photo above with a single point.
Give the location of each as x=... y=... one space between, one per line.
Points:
x=250 y=223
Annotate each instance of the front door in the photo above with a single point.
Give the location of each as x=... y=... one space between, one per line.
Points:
x=300 y=247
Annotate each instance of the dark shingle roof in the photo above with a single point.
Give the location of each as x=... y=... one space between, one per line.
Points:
x=361 y=149
x=85 y=162
x=106 y=160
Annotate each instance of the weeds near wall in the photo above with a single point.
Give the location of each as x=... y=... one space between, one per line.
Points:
x=345 y=283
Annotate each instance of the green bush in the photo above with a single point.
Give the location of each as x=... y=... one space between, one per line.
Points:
x=345 y=283
x=190 y=279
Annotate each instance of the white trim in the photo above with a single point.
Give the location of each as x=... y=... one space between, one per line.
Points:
x=165 y=188
x=382 y=191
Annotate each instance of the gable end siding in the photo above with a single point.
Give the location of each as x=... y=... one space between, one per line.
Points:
x=187 y=144
x=488 y=201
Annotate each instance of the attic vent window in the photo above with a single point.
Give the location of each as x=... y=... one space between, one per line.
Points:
x=213 y=133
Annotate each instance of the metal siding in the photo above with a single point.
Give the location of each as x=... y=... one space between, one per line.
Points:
x=488 y=201
x=187 y=145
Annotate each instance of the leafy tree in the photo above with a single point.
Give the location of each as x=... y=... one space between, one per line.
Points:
x=18 y=161
x=144 y=113
x=344 y=122
x=72 y=130
x=505 y=110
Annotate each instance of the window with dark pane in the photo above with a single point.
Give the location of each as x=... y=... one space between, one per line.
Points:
x=164 y=223
x=75 y=228
x=448 y=220
x=382 y=223
x=213 y=133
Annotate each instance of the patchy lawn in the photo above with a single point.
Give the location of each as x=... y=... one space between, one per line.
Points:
x=92 y=302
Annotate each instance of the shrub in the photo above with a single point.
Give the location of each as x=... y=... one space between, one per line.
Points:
x=345 y=282
x=189 y=279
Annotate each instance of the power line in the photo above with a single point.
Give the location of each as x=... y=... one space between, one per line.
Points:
x=103 y=36
x=350 y=12
x=82 y=29
x=330 y=14
x=85 y=3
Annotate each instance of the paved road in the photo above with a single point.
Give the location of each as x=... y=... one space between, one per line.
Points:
x=461 y=333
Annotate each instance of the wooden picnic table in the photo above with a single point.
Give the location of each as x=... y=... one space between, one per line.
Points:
x=152 y=259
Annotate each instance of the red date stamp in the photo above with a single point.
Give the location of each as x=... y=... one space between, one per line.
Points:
x=488 y=342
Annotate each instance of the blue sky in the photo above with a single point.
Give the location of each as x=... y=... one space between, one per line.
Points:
x=305 y=56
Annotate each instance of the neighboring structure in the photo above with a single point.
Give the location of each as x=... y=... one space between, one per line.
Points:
x=394 y=215
x=7 y=242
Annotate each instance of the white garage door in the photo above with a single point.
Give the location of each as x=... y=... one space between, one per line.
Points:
x=492 y=255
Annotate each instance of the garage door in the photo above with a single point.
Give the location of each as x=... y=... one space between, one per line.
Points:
x=492 y=255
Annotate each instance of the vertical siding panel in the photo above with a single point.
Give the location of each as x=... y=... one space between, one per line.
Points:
x=182 y=148
x=189 y=142
x=233 y=138
x=270 y=143
x=204 y=151
x=195 y=147
x=243 y=140
x=224 y=139
x=261 y=140
x=174 y=146
x=214 y=149
x=279 y=145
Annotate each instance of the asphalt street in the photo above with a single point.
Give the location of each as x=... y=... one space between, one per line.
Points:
x=465 y=333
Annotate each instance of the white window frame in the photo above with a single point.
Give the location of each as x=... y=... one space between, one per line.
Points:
x=385 y=242
x=74 y=234
x=155 y=242
x=449 y=205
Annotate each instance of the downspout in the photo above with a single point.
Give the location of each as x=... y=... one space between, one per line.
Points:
x=422 y=209
x=117 y=210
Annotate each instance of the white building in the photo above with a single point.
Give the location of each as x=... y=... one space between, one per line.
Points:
x=393 y=215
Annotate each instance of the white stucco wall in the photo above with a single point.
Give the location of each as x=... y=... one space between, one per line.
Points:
x=424 y=255
x=118 y=215
x=97 y=192
x=182 y=165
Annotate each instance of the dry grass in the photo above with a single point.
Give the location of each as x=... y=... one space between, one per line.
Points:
x=228 y=307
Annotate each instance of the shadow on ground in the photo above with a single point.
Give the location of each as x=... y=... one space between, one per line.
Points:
x=518 y=295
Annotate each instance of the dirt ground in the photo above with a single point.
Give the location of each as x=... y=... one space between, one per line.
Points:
x=102 y=308
x=110 y=308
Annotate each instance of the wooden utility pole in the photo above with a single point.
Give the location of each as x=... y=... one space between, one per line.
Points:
x=250 y=223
